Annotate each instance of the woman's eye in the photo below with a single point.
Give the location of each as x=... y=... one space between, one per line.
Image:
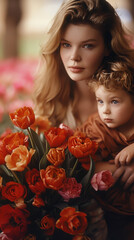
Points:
x=65 y=45
x=88 y=45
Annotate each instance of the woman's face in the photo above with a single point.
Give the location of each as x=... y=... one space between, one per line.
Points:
x=82 y=50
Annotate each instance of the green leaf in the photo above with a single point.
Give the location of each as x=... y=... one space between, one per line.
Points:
x=87 y=178
x=6 y=170
x=36 y=142
x=9 y=173
x=43 y=162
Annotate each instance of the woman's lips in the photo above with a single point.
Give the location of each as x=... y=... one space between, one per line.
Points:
x=76 y=69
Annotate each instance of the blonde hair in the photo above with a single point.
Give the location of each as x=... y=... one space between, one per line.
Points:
x=54 y=90
x=114 y=76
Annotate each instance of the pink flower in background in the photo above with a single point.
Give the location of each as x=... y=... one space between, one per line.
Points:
x=16 y=84
x=70 y=189
x=2 y=90
x=19 y=104
x=102 y=180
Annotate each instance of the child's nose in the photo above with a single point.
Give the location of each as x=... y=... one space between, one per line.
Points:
x=106 y=109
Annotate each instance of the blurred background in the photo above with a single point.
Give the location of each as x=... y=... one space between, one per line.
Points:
x=23 y=24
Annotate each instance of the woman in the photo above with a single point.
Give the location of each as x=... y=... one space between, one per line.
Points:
x=84 y=34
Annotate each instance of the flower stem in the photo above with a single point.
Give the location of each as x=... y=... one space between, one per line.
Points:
x=74 y=167
x=89 y=174
x=16 y=177
x=31 y=139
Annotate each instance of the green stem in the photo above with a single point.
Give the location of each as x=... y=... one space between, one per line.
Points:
x=16 y=177
x=90 y=174
x=74 y=167
x=31 y=138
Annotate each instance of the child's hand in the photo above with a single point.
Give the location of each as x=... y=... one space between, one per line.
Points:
x=126 y=175
x=125 y=156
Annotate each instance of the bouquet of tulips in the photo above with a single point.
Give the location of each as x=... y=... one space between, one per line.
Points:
x=45 y=175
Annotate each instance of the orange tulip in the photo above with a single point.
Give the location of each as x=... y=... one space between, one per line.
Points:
x=23 y=117
x=53 y=177
x=10 y=142
x=19 y=158
x=56 y=136
x=13 y=140
x=72 y=221
x=81 y=146
x=41 y=124
x=56 y=156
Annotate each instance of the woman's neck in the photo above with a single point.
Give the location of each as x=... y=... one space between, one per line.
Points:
x=83 y=89
x=86 y=104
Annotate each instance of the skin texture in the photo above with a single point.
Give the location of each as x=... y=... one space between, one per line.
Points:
x=82 y=51
x=113 y=109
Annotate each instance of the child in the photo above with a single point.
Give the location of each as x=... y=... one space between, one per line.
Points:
x=113 y=128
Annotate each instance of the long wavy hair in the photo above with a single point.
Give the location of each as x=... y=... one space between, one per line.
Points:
x=54 y=91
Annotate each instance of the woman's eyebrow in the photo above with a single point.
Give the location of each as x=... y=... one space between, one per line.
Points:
x=63 y=39
x=89 y=40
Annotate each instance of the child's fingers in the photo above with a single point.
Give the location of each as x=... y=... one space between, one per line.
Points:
x=122 y=160
x=129 y=182
x=128 y=160
x=117 y=160
x=118 y=173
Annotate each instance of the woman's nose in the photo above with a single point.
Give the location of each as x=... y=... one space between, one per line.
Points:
x=75 y=55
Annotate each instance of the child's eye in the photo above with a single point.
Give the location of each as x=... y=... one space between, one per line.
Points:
x=99 y=101
x=114 y=102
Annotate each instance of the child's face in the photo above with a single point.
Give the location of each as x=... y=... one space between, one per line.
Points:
x=82 y=51
x=115 y=108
